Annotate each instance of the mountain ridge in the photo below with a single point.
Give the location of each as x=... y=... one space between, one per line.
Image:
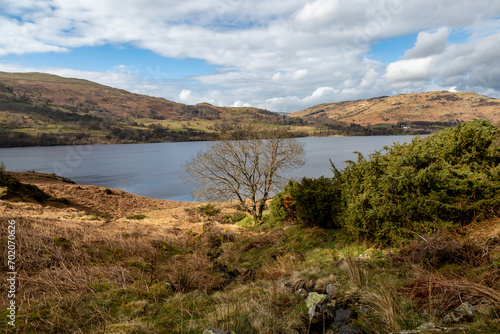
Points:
x=434 y=106
x=45 y=109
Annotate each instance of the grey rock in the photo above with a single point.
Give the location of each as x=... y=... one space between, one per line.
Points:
x=342 y=315
x=348 y=329
x=463 y=313
x=330 y=289
x=319 y=304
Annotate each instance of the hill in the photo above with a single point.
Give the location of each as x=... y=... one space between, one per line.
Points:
x=431 y=107
x=99 y=260
x=44 y=109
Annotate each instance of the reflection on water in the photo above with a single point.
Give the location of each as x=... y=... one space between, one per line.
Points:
x=154 y=170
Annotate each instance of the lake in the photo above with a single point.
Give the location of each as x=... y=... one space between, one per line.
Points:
x=154 y=170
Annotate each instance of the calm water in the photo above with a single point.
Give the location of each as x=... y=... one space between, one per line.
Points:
x=154 y=170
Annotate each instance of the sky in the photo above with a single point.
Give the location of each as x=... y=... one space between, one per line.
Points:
x=280 y=55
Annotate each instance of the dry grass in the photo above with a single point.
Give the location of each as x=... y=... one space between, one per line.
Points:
x=441 y=249
x=72 y=264
x=385 y=304
x=444 y=292
x=179 y=271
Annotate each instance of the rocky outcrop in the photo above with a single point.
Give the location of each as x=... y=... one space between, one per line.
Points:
x=463 y=313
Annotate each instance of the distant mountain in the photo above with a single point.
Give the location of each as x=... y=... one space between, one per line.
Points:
x=432 y=107
x=44 y=109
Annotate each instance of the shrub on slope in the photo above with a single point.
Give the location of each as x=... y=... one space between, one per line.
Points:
x=449 y=179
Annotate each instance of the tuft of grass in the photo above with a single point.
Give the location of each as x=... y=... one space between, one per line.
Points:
x=389 y=311
x=138 y=216
x=209 y=210
x=100 y=215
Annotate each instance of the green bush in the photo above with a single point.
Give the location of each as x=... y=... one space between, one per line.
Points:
x=282 y=207
x=312 y=202
x=236 y=217
x=448 y=179
x=209 y=210
x=316 y=201
x=445 y=180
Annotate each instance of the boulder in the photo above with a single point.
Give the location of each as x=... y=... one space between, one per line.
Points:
x=330 y=290
x=320 y=306
x=463 y=313
x=341 y=321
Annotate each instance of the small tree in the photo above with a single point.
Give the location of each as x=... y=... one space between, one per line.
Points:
x=246 y=165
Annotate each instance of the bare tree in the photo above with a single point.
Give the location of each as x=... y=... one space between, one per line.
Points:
x=247 y=166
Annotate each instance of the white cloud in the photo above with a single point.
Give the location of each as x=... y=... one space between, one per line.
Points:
x=429 y=44
x=184 y=95
x=323 y=91
x=299 y=74
x=274 y=54
x=317 y=13
x=239 y=104
x=419 y=69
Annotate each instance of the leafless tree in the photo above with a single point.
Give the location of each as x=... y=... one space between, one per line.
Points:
x=247 y=167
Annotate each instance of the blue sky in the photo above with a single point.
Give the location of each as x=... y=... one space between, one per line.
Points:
x=273 y=54
x=115 y=58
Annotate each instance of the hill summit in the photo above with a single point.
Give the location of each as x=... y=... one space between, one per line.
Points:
x=432 y=107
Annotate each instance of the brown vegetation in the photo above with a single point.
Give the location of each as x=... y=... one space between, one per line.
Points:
x=85 y=267
x=427 y=107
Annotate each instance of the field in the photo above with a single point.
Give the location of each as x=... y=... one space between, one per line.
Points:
x=97 y=260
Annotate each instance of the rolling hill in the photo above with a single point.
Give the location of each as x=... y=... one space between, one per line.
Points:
x=430 y=107
x=44 y=109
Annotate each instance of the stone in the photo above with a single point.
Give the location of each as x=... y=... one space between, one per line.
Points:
x=348 y=329
x=330 y=290
x=319 y=304
x=317 y=299
x=342 y=315
x=463 y=313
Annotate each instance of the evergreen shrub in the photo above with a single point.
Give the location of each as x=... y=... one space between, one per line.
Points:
x=449 y=179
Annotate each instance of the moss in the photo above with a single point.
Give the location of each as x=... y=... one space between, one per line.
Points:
x=138 y=217
x=143 y=266
x=100 y=215
x=101 y=286
x=63 y=242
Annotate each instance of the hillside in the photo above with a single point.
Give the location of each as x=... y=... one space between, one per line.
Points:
x=97 y=260
x=44 y=109
x=431 y=107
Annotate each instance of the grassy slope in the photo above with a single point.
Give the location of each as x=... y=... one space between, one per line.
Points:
x=86 y=268
x=429 y=107
x=36 y=103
